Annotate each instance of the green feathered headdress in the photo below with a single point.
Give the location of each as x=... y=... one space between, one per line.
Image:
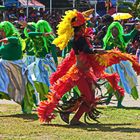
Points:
x=44 y=27
x=31 y=26
x=8 y=28
x=109 y=34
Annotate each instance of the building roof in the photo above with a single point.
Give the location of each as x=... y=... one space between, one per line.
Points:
x=31 y=3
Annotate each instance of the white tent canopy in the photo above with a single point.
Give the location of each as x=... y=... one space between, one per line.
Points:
x=31 y=3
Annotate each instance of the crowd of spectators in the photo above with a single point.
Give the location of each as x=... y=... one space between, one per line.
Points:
x=20 y=14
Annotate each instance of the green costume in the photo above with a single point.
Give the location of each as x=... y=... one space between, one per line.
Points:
x=43 y=65
x=29 y=49
x=121 y=41
x=12 y=50
x=14 y=79
x=124 y=69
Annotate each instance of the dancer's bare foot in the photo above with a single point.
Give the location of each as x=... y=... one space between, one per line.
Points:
x=65 y=116
x=120 y=106
x=77 y=122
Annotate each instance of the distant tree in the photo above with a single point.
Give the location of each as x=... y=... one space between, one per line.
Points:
x=108 y=5
x=130 y=7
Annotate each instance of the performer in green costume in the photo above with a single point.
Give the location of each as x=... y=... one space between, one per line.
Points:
x=115 y=38
x=15 y=81
x=45 y=57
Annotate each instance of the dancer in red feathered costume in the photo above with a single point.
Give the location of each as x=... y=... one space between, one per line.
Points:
x=82 y=68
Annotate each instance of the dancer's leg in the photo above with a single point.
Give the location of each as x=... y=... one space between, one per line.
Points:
x=88 y=97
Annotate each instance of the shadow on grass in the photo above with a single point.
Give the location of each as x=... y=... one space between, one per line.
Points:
x=30 y=117
x=127 y=108
x=100 y=127
x=131 y=108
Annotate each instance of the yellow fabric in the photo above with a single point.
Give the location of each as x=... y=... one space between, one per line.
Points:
x=121 y=16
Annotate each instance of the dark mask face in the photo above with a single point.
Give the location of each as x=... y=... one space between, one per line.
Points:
x=80 y=29
x=115 y=32
x=83 y=27
x=2 y=34
x=28 y=30
x=38 y=30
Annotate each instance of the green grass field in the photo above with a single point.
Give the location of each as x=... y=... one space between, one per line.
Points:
x=115 y=124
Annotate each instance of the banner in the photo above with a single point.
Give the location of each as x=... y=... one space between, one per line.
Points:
x=10 y=3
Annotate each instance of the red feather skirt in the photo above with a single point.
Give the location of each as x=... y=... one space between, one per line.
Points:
x=68 y=74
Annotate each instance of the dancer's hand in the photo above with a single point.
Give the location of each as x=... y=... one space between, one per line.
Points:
x=100 y=51
x=47 y=34
x=5 y=40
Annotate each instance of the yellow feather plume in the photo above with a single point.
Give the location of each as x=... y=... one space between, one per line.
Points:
x=65 y=30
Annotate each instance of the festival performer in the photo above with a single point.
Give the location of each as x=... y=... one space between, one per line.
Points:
x=88 y=15
x=82 y=67
x=45 y=57
x=74 y=93
x=29 y=54
x=15 y=82
x=115 y=38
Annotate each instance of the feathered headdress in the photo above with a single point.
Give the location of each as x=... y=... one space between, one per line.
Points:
x=44 y=27
x=109 y=34
x=31 y=26
x=8 y=28
x=88 y=14
x=66 y=27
